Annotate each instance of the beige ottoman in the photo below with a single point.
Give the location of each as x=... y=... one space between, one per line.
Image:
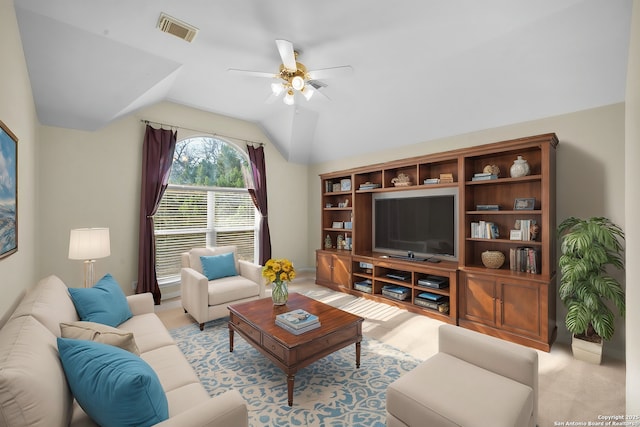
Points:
x=474 y=380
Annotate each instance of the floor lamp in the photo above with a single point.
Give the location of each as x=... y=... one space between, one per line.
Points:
x=89 y=244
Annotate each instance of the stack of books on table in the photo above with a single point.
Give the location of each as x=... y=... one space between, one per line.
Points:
x=298 y=321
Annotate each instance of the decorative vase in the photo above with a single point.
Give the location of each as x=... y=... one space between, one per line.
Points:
x=279 y=293
x=520 y=167
x=492 y=259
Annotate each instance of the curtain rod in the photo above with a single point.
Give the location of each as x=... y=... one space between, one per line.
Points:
x=202 y=131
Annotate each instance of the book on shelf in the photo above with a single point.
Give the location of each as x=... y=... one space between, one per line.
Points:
x=432 y=181
x=524 y=259
x=484 y=230
x=368 y=186
x=487 y=207
x=297 y=319
x=446 y=178
x=364 y=286
x=483 y=177
x=525 y=225
x=299 y=330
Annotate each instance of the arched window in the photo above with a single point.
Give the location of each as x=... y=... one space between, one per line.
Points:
x=206 y=204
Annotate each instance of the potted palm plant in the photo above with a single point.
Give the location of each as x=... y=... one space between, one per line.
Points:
x=589 y=247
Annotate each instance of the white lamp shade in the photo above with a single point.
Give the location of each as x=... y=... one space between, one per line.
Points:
x=89 y=243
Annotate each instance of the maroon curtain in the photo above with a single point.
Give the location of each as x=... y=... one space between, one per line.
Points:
x=259 y=196
x=157 y=156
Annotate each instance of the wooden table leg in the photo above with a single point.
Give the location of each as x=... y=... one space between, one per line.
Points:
x=230 y=339
x=290 y=380
x=358 y=354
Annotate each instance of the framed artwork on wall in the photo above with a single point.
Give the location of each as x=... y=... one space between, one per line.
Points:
x=8 y=191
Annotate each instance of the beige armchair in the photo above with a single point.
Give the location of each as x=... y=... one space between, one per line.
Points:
x=474 y=380
x=206 y=299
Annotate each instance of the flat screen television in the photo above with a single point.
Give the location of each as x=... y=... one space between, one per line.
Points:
x=421 y=223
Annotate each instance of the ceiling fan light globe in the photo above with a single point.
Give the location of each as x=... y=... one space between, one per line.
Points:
x=297 y=83
x=288 y=98
x=277 y=88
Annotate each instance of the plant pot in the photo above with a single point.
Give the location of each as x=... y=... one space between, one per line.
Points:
x=587 y=351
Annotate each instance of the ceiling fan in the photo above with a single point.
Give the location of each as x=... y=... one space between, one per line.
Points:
x=294 y=77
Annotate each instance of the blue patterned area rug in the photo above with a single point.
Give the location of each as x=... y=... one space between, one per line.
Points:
x=329 y=392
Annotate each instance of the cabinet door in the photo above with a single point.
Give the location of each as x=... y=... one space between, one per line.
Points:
x=323 y=267
x=520 y=306
x=341 y=271
x=478 y=297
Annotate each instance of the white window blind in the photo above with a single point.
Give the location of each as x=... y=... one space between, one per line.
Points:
x=188 y=218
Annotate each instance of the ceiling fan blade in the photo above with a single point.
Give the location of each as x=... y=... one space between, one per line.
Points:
x=313 y=90
x=326 y=73
x=271 y=98
x=253 y=73
x=285 y=48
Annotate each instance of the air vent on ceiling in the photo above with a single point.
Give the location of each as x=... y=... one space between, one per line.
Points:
x=171 y=25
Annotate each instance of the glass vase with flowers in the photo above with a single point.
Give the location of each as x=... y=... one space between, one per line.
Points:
x=279 y=272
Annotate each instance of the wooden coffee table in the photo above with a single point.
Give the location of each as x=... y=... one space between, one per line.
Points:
x=255 y=322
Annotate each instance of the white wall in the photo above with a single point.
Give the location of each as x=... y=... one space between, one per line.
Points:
x=632 y=176
x=17 y=111
x=91 y=179
x=590 y=174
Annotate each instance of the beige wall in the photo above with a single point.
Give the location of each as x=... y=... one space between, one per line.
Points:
x=18 y=272
x=92 y=179
x=632 y=175
x=590 y=173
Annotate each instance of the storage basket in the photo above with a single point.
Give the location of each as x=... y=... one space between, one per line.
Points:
x=492 y=259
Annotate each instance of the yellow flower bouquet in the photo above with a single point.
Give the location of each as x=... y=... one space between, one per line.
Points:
x=279 y=272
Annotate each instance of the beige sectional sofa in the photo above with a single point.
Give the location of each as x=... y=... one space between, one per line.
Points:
x=33 y=386
x=474 y=380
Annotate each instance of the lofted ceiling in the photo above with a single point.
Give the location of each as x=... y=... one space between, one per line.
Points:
x=422 y=69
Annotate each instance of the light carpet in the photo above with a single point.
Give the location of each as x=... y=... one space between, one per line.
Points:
x=329 y=392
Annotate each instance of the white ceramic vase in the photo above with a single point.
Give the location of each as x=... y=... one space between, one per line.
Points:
x=520 y=167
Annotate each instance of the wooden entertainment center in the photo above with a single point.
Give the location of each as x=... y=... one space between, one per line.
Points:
x=515 y=302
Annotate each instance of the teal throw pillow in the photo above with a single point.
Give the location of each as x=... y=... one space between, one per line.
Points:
x=104 y=303
x=113 y=386
x=218 y=266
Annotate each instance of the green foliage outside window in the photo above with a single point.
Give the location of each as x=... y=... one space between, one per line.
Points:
x=207 y=162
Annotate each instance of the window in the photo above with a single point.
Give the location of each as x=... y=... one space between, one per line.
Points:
x=205 y=204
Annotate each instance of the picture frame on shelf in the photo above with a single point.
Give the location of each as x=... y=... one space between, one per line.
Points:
x=345 y=184
x=515 y=235
x=524 y=204
x=337 y=224
x=336 y=187
x=8 y=191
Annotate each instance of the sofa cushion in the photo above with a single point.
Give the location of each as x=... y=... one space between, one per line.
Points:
x=424 y=396
x=104 y=303
x=113 y=386
x=149 y=331
x=231 y=289
x=33 y=387
x=171 y=367
x=218 y=266
x=49 y=303
x=100 y=333
x=196 y=253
